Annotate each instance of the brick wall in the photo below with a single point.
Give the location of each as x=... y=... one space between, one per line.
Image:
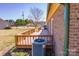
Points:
x=74 y=30
x=57 y=29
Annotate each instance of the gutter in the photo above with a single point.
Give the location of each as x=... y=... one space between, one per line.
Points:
x=66 y=28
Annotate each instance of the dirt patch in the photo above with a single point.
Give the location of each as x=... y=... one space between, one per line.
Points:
x=3 y=52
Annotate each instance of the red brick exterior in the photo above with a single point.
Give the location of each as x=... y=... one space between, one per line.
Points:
x=74 y=30
x=56 y=28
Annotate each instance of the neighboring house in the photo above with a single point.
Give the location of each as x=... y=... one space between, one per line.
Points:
x=30 y=25
x=3 y=24
x=11 y=22
x=40 y=23
x=57 y=14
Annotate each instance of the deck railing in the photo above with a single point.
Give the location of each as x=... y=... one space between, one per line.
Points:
x=30 y=31
x=25 y=41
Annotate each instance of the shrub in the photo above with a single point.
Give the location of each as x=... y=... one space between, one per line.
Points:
x=7 y=28
x=21 y=54
x=13 y=49
x=15 y=52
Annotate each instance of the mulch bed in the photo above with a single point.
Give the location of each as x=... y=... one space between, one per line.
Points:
x=9 y=53
x=29 y=51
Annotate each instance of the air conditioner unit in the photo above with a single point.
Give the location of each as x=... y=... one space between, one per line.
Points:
x=38 y=47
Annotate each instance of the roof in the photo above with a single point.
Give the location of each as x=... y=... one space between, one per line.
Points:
x=52 y=8
x=3 y=21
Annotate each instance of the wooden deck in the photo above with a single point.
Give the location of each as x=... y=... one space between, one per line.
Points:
x=25 y=41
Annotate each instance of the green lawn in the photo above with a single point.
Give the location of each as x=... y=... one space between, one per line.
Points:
x=7 y=36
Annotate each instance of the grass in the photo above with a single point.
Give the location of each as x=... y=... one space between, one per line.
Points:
x=7 y=36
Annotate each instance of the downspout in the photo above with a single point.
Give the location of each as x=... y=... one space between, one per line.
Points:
x=66 y=28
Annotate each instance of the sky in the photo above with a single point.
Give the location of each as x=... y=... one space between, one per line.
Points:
x=14 y=10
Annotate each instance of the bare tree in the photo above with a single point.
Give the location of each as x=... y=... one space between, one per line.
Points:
x=36 y=14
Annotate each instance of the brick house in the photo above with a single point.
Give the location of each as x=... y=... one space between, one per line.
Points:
x=56 y=24
x=3 y=24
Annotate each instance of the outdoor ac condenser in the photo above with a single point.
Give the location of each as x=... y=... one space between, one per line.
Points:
x=38 y=47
